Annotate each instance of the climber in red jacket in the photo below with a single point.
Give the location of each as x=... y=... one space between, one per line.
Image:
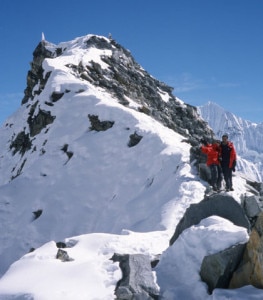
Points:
x=227 y=154
x=212 y=152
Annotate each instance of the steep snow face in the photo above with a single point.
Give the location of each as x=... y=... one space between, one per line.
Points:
x=85 y=180
x=246 y=136
x=108 y=180
x=60 y=180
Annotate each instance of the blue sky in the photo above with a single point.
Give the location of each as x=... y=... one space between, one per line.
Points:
x=208 y=50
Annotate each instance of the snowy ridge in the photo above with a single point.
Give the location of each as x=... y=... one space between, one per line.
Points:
x=94 y=192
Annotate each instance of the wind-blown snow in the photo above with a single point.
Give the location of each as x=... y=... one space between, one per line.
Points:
x=107 y=198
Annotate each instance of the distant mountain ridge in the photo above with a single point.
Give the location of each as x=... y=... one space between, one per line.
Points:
x=246 y=136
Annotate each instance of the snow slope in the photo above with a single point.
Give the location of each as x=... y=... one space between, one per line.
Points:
x=106 y=198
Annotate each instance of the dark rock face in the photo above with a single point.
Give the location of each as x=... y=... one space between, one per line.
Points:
x=217 y=269
x=135 y=139
x=250 y=269
x=37 y=213
x=251 y=206
x=126 y=79
x=98 y=125
x=63 y=256
x=219 y=205
x=137 y=281
x=55 y=96
x=21 y=143
x=35 y=75
x=40 y=121
x=68 y=153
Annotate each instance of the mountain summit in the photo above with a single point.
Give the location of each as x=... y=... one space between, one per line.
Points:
x=98 y=168
x=74 y=70
x=89 y=124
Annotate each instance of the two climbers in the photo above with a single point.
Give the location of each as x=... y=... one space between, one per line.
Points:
x=221 y=159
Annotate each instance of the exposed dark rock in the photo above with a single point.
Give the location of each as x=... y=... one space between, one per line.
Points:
x=61 y=245
x=38 y=122
x=135 y=139
x=98 y=125
x=69 y=153
x=65 y=148
x=137 y=278
x=63 y=256
x=35 y=75
x=19 y=170
x=220 y=205
x=37 y=213
x=251 y=206
x=98 y=42
x=217 y=269
x=55 y=96
x=250 y=270
x=21 y=143
x=126 y=79
x=49 y=103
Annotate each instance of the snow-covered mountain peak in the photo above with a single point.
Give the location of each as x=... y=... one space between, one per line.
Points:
x=101 y=159
x=93 y=128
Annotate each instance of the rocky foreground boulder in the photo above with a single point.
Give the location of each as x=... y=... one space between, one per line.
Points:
x=217 y=269
x=223 y=206
x=250 y=270
x=137 y=282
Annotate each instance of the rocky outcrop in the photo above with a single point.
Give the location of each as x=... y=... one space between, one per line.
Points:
x=36 y=74
x=21 y=143
x=137 y=278
x=220 y=205
x=98 y=125
x=63 y=256
x=252 y=206
x=39 y=121
x=67 y=152
x=135 y=139
x=217 y=269
x=250 y=270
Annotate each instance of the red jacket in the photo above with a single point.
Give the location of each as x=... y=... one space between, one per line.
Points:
x=212 y=152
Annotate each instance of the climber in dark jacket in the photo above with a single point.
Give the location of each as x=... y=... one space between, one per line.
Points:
x=227 y=155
